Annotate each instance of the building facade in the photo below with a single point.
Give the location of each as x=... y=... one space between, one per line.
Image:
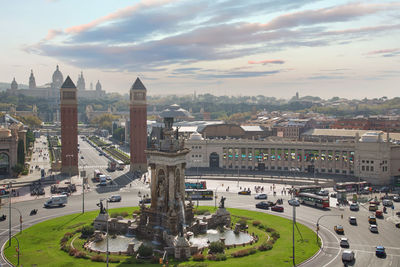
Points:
x=376 y=161
x=138 y=127
x=69 y=127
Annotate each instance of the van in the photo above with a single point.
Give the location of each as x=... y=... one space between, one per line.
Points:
x=347 y=255
x=55 y=201
x=103 y=180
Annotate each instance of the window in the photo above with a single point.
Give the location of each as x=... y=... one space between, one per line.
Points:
x=367 y=168
x=363 y=168
x=372 y=168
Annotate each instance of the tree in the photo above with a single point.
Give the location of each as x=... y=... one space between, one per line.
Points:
x=104 y=121
x=119 y=134
x=31 y=120
x=21 y=153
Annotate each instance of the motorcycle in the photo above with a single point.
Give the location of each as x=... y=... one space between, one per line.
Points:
x=33 y=212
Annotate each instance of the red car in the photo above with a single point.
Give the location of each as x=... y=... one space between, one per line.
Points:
x=277 y=208
x=375 y=202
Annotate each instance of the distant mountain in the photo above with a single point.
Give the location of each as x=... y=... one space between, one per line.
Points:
x=5 y=86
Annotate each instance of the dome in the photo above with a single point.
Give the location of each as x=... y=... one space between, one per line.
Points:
x=14 y=84
x=4 y=133
x=57 y=78
x=195 y=136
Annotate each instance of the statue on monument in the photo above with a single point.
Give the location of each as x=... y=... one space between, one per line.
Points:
x=222 y=203
x=102 y=209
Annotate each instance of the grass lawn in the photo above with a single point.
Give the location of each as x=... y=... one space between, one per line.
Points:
x=40 y=244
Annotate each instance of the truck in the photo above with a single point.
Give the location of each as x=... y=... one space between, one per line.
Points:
x=96 y=175
x=112 y=166
x=56 y=201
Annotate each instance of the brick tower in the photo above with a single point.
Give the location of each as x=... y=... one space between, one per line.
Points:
x=69 y=127
x=138 y=127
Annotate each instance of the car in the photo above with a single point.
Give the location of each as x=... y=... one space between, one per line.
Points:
x=380 y=251
x=100 y=154
x=396 y=198
x=263 y=205
x=397 y=225
x=244 y=192
x=82 y=157
x=372 y=207
x=378 y=214
x=261 y=196
x=347 y=256
x=354 y=207
x=294 y=202
x=375 y=202
x=387 y=203
x=352 y=220
x=373 y=228
x=344 y=242
x=323 y=193
x=146 y=200
x=339 y=229
x=115 y=198
x=372 y=219
x=277 y=208
x=108 y=178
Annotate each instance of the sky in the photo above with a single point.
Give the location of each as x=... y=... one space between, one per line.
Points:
x=274 y=48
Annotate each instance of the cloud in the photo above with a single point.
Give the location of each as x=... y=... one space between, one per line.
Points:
x=391 y=52
x=157 y=34
x=326 y=77
x=267 y=61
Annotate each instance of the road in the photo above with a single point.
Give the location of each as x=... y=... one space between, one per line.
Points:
x=361 y=240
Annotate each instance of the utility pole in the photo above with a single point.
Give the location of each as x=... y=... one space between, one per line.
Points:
x=293 y=239
x=9 y=214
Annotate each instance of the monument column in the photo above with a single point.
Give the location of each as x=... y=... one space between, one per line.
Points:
x=69 y=127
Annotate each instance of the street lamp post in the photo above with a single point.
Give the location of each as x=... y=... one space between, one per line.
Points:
x=9 y=213
x=238 y=176
x=216 y=196
x=107 y=230
x=83 y=188
x=294 y=222
x=321 y=218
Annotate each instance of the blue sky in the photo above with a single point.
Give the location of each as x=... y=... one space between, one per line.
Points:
x=275 y=48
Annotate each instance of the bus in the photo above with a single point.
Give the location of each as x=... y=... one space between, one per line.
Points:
x=314 y=189
x=351 y=186
x=314 y=200
x=112 y=166
x=198 y=185
x=96 y=175
x=195 y=194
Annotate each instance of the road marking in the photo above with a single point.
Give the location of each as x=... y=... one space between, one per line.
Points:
x=334 y=258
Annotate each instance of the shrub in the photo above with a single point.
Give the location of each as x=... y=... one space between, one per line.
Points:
x=211 y=257
x=80 y=254
x=241 y=253
x=269 y=229
x=64 y=240
x=68 y=235
x=72 y=251
x=198 y=257
x=145 y=251
x=256 y=223
x=242 y=223
x=275 y=235
x=200 y=211
x=98 y=258
x=87 y=231
x=220 y=257
x=216 y=247
x=265 y=246
x=122 y=214
x=65 y=247
x=252 y=251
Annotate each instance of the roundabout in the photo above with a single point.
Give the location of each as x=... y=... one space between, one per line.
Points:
x=41 y=243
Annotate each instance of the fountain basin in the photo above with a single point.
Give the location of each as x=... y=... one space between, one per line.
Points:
x=118 y=244
x=213 y=235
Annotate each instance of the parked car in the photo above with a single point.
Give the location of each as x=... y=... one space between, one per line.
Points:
x=378 y=214
x=380 y=251
x=396 y=198
x=115 y=198
x=372 y=219
x=244 y=192
x=339 y=229
x=263 y=205
x=375 y=202
x=372 y=207
x=387 y=203
x=344 y=242
x=277 y=208
x=145 y=201
x=347 y=256
x=352 y=220
x=354 y=207
x=373 y=228
x=261 y=196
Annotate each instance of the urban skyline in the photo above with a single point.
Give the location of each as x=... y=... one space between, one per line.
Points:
x=274 y=48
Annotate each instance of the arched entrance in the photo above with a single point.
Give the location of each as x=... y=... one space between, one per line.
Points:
x=4 y=163
x=214 y=160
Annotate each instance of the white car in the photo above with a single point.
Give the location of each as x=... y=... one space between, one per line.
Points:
x=115 y=198
x=373 y=228
x=348 y=255
x=261 y=196
x=294 y=202
x=354 y=207
x=344 y=242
